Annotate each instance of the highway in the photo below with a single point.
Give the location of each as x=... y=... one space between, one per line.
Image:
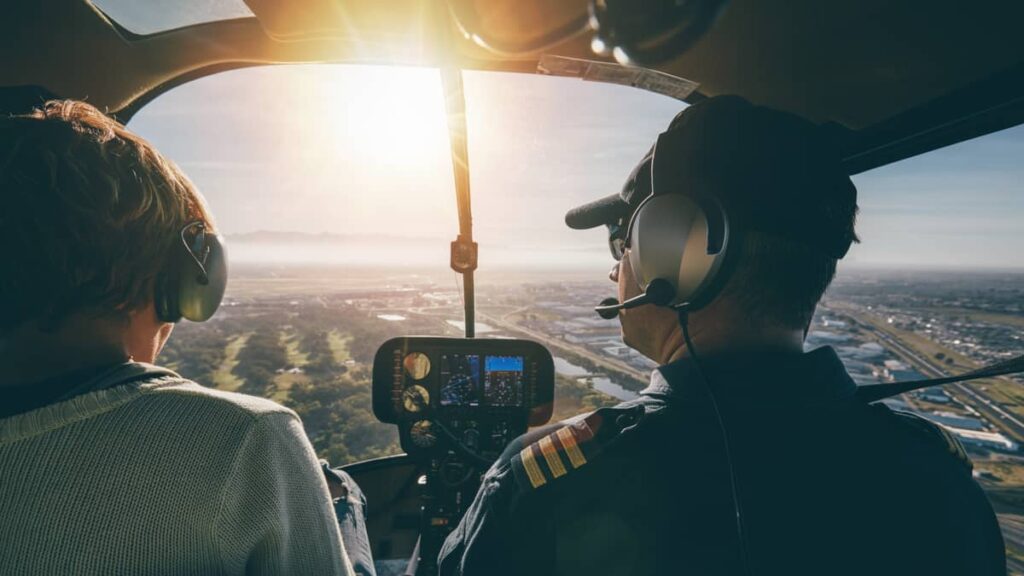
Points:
x=1008 y=422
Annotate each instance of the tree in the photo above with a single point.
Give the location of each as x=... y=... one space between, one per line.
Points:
x=261 y=357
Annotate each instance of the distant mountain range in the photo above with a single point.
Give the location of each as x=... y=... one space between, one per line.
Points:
x=324 y=238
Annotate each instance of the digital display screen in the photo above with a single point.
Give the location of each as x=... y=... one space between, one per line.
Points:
x=503 y=380
x=460 y=380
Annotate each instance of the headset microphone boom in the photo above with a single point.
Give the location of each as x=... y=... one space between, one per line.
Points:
x=659 y=292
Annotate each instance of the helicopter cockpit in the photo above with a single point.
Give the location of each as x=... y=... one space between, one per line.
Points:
x=339 y=142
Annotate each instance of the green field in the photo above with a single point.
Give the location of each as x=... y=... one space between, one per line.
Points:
x=222 y=376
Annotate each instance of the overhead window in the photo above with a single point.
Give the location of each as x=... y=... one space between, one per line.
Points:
x=151 y=16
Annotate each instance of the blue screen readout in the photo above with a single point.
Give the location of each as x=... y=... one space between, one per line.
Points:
x=503 y=364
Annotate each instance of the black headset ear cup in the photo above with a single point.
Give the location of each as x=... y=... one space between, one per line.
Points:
x=681 y=240
x=201 y=288
x=188 y=289
x=165 y=292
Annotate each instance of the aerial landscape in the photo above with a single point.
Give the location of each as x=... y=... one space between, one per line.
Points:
x=306 y=337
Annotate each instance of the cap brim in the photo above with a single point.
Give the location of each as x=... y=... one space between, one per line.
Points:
x=607 y=210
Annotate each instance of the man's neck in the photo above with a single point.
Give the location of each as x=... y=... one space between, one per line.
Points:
x=719 y=338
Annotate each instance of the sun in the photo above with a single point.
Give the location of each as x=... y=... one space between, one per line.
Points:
x=394 y=117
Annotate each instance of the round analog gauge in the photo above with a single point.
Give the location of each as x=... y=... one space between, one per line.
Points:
x=417 y=365
x=415 y=398
x=422 y=434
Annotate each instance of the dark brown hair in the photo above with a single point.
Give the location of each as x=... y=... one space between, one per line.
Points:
x=88 y=214
x=779 y=280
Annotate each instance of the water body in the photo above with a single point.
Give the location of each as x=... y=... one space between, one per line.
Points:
x=601 y=383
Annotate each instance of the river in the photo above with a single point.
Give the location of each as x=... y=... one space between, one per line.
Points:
x=601 y=383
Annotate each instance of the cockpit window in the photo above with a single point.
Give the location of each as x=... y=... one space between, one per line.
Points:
x=954 y=208
x=151 y=16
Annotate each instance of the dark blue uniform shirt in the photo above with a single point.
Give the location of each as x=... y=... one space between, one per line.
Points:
x=828 y=484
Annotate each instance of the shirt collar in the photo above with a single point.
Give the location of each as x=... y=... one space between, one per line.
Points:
x=815 y=376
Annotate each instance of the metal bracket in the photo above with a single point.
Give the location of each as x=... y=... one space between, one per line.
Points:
x=464 y=255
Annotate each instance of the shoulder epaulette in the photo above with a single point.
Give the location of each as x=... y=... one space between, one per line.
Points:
x=939 y=434
x=571 y=446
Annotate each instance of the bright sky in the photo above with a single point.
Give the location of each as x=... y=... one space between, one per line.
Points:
x=359 y=150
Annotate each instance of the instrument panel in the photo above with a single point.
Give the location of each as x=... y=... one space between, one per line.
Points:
x=482 y=392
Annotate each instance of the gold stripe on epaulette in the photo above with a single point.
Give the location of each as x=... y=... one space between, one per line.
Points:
x=532 y=469
x=547 y=448
x=568 y=440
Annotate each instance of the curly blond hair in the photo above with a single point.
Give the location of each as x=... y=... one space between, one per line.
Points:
x=88 y=215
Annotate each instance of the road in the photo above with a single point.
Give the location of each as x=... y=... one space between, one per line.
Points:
x=1010 y=423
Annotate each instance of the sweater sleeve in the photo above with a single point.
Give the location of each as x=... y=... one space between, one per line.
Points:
x=275 y=514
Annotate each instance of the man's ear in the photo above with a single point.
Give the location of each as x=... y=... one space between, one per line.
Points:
x=146 y=316
x=146 y=334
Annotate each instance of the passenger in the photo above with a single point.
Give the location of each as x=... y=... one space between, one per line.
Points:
x=109 y=464
x=825 y=484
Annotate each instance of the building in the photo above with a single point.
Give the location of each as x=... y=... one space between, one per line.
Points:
x=933 y=395
x=989 y=440
x=951 y=420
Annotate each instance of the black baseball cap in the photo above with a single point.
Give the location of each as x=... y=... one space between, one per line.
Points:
x=774 y=172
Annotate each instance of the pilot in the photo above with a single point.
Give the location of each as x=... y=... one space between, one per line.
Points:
x=109 y=464
x=745 y=454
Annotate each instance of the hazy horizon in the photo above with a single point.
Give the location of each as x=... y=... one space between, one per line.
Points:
x=331 y=250
x=380 y=261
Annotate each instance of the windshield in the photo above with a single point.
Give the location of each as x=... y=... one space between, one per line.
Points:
x=334 y=187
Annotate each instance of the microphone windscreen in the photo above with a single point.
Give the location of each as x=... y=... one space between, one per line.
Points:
x=609 y=308
x=660 y=292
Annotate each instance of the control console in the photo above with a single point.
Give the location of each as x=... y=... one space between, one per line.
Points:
x=457 y=404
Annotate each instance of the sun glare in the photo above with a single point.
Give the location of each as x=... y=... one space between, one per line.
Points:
x=395 y=117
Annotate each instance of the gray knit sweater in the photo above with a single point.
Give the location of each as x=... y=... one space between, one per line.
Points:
x=163 y=476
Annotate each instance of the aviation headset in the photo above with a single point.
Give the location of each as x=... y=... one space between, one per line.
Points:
x=682 y=243
x=685 y=238
x=193 y=282
x=682 y=240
